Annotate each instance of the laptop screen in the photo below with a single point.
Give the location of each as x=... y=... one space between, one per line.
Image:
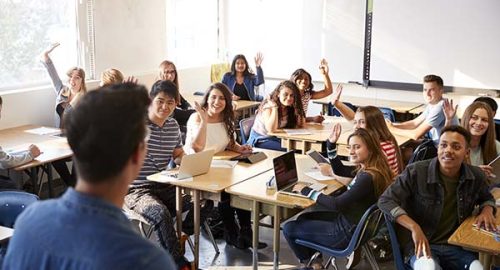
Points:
x=285 y=170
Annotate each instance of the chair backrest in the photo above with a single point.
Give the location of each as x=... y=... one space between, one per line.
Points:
x=388 y=113
x=12 y=203
x=426 y=150
x=245 y=127
x=332 y=111
x=367 y=227
x=396 y=249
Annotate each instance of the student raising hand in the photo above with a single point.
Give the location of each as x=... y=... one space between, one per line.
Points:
x=334 y=136
x=449 y=110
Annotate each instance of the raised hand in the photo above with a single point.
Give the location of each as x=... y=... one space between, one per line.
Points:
x=45 y=54
x=258 y=59
x=202 y=112
x=336 y=94
x=449 y=110
x=334 y=136
x=323 y=67
x=131 y=79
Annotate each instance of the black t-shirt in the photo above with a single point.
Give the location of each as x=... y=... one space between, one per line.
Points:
x=241 y=91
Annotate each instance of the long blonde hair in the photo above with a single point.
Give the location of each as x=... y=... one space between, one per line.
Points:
x=83 y=87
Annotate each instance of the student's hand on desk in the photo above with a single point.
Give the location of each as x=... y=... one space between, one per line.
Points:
x=318 y=119
x=325 y=169
x=486 y=219
x=488 y=170
x=334 y=136
x=235 y=97
x=422 y=247
x=388 y=123
x=244 y=149
x=202 y=112
x=258 y=59
x=34 y=150
x=449 y=110
x=336 y=94
x=323 y=67
x=298 y=187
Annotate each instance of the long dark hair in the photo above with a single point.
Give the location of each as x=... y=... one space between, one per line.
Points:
x=294 y=112
x=299 y=73
x=227 y=113
x=376 y=163
x=246 y=72
x=375 y=123
x=487 y=142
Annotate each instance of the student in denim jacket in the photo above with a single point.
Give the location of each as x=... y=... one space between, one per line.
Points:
x=432 y=198
x=241 y=81
x=86 y=228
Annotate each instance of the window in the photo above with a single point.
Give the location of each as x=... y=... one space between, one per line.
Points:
x=192 y=32
x=28 y=27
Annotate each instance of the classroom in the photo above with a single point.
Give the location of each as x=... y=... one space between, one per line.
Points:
x=256 y=134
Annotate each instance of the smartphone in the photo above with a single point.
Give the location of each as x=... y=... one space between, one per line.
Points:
x=316 y=156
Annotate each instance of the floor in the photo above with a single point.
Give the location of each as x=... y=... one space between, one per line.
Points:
x=234 y=258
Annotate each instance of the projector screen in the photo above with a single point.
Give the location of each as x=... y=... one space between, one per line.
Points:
x=296 y=34
x=456 y=39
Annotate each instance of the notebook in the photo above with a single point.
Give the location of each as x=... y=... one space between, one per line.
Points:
x=285 y=174
x=192 y=165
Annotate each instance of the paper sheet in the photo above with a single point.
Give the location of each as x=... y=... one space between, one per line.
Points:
x=219 y=163
x=316 y=175
x=297 y=131
x=165 y=178
x=44 y=131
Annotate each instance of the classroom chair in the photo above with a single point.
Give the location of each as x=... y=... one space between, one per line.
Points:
x=245 y=127
x=332 y=111
x=425 y=150
x=12 y=203
x=396 y=249
x=388 y=114
x=366 y=229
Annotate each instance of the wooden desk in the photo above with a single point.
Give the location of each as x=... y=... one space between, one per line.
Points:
x=212 y=184
x=469 y=238
x=5 y=233
x=245 y=108
x=253 y=195
x=52 y=147
x=398 y=106
x=319 y=134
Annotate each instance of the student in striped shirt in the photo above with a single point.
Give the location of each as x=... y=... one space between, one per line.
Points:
x=372 y=119
x=154 y=201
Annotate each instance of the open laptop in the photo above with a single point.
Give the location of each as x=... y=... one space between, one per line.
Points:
x=285 y=173
x=192 y=165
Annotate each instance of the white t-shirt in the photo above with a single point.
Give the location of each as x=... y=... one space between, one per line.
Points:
x=476 y=154
x=216 y=139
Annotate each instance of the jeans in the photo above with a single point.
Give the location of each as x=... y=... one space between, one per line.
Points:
x=450 y=257
x=327 y=228
x=267 y=142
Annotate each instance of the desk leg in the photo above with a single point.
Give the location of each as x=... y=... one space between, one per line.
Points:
x=255 y=217
x=178 y=208
x=34 y=180
x=49 y=179
x=324 y=109
x=276 y=236
x=196 y=201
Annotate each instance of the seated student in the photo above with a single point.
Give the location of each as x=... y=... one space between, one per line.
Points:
x=168 y=72
x=372 y=119
x=303 y=80
x=494 y=106
x=431 y=198
x=283 y=109
x=432 y=119
x=66 y=98
x=12 y=160
x=241 y=81
x=155 y=202
x=86 y=228
x=333 y=227
x=212 y=127
x=478 y=120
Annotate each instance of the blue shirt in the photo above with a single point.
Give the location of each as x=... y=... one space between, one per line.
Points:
x=78 y=231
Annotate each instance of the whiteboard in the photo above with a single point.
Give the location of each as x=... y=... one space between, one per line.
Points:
x=296 y=34
x=455 y=39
